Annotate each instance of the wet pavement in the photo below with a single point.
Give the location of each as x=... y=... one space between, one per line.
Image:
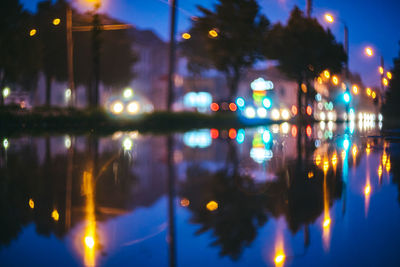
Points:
x=282 y=195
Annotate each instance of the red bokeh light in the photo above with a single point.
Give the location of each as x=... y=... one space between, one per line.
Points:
x=309 y=130
x=232 y=133
x=232 y=107
x=214 y=107
x=309 y=111
x=214 y=133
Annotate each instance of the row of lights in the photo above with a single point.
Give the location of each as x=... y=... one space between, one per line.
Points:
x=213 y=33
x=34 y=31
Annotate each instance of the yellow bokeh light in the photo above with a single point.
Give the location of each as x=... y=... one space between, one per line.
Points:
x=355 y=89
x=329 y=18
x=354 y=150
x=381 y=70
x=388 y=165
x=384 y=158
x=56 y=21
x=186 y=36
x=327 y=74
x=32 y=32
x=212 y=205
x=389 y=75
x=380 y=170
x=319 y=80
x=310 y=174
x=213 y=33
x=55 y=215
x=326 y=165
x=334 y=160
x=367 y=190
x=368 y=149
x=385 y=82
x=304 y=88
x=31 y=203
x=344 y=154
x=335 y=80
x=318 y=160
x=369 y=51
x=326 y=222
x=89 y=242
x=373 y=95
x=280 y=258
x=369 y=91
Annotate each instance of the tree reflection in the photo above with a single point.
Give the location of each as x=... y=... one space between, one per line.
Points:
x=38 y=191
x=239 y=214
x=233 y=206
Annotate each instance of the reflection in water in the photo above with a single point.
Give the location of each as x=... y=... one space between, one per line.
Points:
x=326 y=225
x=89 y=239
x=279 y=246
x=108 y=190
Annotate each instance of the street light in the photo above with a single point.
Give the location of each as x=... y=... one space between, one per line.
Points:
x=331 y=19
x=369 y=51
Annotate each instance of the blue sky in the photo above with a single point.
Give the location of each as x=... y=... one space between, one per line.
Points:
x=375 y=23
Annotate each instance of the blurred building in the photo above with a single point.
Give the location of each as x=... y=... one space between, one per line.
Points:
x=152 y=68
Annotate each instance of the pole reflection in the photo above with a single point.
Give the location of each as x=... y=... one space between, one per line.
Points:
x=89 y=237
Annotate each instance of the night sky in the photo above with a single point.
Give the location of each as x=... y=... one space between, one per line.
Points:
x=374 y=23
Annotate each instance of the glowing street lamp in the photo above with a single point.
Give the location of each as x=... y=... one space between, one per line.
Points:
x=385 y=82
x=369 y=51
x=389 y=75
x=327 y=74
x=335 y=80
x=329 y=18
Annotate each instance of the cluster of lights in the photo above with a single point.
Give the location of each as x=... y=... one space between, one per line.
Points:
x=34 y=31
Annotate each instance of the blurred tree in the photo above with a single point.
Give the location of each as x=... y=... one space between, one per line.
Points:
x=240 y=213
x=391 y=108
x=304 y=49
x=53 y=42
x=18 y=51
x=228 y=39
x=116 y=56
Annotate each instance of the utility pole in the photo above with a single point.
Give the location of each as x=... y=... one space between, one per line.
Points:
x=70 y=59
x=96 y=45
x=172 y=56
x=346 y=49
x=309 y=8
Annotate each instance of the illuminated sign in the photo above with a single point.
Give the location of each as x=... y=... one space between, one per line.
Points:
x=261 y=85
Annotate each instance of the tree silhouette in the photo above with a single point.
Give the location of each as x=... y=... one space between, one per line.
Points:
x=239 y=214
x=53 y=42
x=304 y=49
x=19 y=53
x=234 y=43
x=116 y=55
x=391 y=108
